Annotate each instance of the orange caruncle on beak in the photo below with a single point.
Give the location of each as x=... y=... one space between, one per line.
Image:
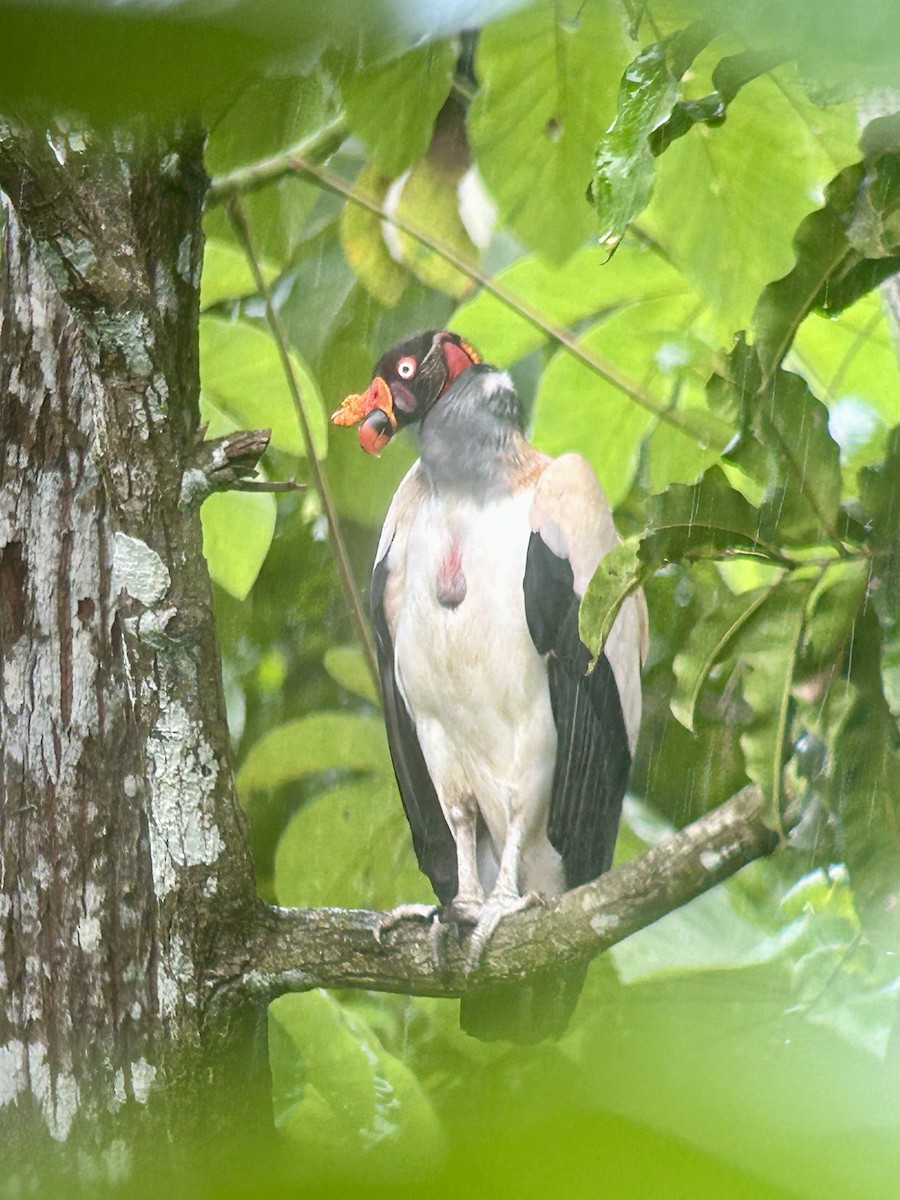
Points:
x=357 y=407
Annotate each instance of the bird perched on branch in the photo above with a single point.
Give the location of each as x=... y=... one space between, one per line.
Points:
x=511 y=747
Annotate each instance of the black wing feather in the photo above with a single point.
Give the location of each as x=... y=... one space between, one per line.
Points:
x=592 y=756
x=432 y=839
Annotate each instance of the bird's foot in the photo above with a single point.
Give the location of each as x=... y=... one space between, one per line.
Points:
x=494 y=909
x=403 y=912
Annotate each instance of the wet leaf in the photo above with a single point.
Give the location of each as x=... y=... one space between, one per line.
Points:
x=320 y=742
x=768 y=649
x=707 y=520
x=842 y=250
x=392 y=107
x=623 y=164
x=880 y=494
x=785 y=445
x=711 y=638
x=241 y=372
x=237 y=532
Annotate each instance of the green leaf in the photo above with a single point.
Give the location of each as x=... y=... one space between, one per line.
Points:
x=321 y=742
x=237 y=532
x=427 y=199
x=620 y=573
x=364 y=246
x=785 y=445
x=707 y=520
x=880 y=495
x=241 y=371
x=769 y=649
x=623 y=165
x=548 y=83
x=842 y=250
x=832 y=612
x=850 y=362
x=660 y=342
x=864 y=790
x=350 y=846
x=363 y=1115
x=590 y=283
x=708 y=641
x=727 y=201
x=227 y=274
x=392 y=108
x=347 y=666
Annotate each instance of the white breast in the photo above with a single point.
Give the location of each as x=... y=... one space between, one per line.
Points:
x=470 y=675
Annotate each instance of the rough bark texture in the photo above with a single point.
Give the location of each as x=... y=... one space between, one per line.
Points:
x=124 y=860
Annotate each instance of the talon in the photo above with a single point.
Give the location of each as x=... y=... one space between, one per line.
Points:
x=403 y=912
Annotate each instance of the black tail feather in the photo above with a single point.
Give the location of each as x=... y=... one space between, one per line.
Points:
x=524 y=1011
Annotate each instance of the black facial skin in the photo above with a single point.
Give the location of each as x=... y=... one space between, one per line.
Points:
x=414 y=397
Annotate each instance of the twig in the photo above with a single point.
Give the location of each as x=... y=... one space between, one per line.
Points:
x=348 y=584
x=298 y=949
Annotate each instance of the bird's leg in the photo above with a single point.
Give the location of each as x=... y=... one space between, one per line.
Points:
x=469 y=900
x=506 y=896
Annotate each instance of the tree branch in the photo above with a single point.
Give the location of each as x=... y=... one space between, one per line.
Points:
x=294 y=950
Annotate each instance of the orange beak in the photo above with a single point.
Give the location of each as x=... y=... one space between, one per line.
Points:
x=374 y=435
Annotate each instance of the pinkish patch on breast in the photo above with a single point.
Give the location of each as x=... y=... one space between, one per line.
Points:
x=450 y=585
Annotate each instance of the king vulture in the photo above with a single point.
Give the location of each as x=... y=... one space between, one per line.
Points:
x=511 y=750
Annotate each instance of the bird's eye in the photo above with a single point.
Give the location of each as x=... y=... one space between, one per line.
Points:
x=406 y=368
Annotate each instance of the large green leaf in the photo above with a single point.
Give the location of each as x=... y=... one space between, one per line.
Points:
x=590 y=283
x=661 y=345
x=850 y=362
x=427 y=199
x=392 y=107
x=842 y=250
x=241 y=371
x=237 y=532
x=727 y=201
x=548 y=86
x=711 y=638
x=880 y=493
x=350 y=846
x=707 y=520
x=784 y=444
x=362 y=1115
x=320 y=742
x=226 y=273
x=362 y=239
x=769 y=649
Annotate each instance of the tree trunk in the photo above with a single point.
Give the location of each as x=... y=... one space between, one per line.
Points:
x=125 y=879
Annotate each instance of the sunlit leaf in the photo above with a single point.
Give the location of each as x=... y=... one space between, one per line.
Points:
x=320 y=742
x=392 y=108
x=237 y=533
x=548 y=87
x=241 y=371
x=227 y=274
x=427 y=199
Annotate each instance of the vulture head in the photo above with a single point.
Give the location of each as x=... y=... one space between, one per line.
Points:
x=406 y=382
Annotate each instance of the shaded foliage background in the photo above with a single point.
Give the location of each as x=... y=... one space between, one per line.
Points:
x=724 y=358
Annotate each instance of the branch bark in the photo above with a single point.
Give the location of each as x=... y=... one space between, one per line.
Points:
x=295 y=950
